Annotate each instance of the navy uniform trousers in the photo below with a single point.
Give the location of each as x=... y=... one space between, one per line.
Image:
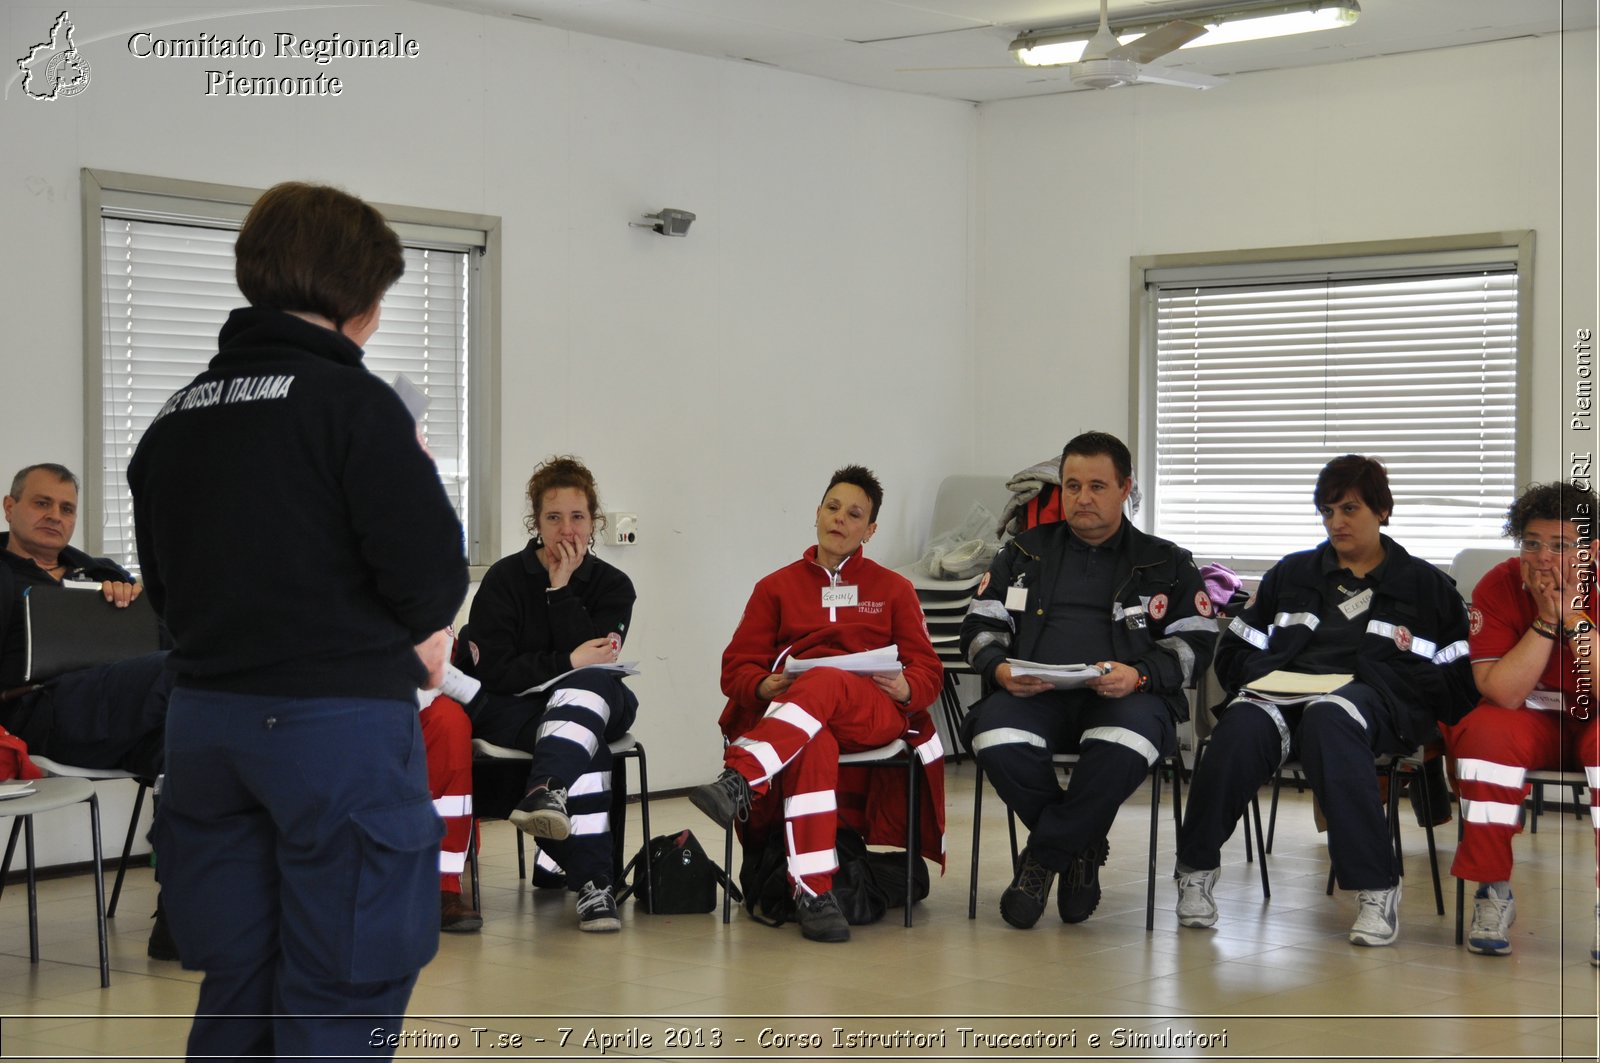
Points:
x=1337 y=737
x=1117 y=739
x=300 y=855
x=568 y=738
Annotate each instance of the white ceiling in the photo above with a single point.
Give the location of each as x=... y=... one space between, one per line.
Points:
x=891 y=44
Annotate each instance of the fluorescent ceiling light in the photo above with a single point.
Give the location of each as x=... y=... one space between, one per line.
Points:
x=1223 y=26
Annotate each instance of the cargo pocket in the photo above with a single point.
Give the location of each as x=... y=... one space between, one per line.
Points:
x=395 y=923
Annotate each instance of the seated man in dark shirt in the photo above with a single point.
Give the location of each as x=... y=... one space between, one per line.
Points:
x=108 y=717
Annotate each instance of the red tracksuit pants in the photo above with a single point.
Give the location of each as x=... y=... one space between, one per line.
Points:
x=447 y=737
x=825 y=712
x=1494 y=748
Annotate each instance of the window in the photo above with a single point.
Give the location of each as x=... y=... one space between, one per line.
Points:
x=165 y=264
x=1259 y=367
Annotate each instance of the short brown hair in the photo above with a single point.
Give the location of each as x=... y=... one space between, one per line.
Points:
x=60 y=472
x=563 y=470
x=1364 y=476
x=315 y=249
x=862 y=477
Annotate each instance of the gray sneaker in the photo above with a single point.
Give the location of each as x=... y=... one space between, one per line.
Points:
x=821 y=918
x=725 y=799
x=1378 y=921
x=1196 y=907
x=1492 y=916
x=543 y=813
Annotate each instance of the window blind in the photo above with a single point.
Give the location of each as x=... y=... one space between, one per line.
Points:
x=167 y=288
x=1260 y=384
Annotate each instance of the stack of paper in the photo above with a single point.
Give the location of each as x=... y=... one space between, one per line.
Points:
x=868 y=662
x=1059 y=676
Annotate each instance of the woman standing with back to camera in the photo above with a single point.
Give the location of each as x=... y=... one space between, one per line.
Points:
x=299 y=545
x=548 y=609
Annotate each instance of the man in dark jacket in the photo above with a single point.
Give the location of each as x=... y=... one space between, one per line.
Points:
x=107 y=717
x=1381 y=638
x=1091 y=590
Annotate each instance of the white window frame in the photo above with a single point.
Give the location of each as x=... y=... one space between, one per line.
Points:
x=194 y=202
x=1371 y=258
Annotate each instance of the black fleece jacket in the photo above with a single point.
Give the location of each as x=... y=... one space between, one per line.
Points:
x=291 y=532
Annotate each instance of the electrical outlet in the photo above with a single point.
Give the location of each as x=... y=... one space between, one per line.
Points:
x=624 y=529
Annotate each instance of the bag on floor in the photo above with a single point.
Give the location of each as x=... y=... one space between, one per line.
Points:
x=866 y=885
x=683 y=879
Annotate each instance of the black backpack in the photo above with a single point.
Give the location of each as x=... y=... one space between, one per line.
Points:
x=683 y=879
x=867 y=884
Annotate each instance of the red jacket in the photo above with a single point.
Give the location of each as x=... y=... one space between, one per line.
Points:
x=785 y=618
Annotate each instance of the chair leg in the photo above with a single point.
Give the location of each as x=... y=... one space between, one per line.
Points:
x=127 y=847
x=99 y=889
x=1272 y=818
x=644 y=816
x=1538 y=807
x=1261 y=846
x=977 y=834
x=11 y=849
x=1461 y=885
x=33 y=891
x=1155 y=821
x=472 y=863
x=913 y=837
x=618 y=817
x=1433 y=850
x=727 y=867
x=522 y=858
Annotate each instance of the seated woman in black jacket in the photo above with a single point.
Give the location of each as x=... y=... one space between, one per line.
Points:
x=1357 y=605
x=550 y=608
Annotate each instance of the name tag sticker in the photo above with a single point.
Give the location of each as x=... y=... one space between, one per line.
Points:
x=1354 y=607
x=1016 y=599
x=1544 y=700
x=842 y=596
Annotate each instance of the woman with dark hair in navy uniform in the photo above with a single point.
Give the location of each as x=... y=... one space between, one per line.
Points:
x=299 y=846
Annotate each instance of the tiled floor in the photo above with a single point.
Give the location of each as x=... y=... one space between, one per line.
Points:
x=1277 y=976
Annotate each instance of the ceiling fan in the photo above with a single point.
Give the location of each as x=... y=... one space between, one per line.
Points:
x=1105 y=63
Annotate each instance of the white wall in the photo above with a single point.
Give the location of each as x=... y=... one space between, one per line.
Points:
x=818 y=313
x=1070 y=187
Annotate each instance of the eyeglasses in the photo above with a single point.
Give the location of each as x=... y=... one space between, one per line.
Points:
x=1555 y=548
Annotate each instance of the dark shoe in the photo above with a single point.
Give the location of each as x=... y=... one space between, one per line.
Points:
x=161 y=946
x=454 y=915
x=545 y=879
x=821 y=918
x=543 y=813
x=725 y=800
x=1080 y=886
x=1022 y=903
x=597 y=909
x=1438 y=790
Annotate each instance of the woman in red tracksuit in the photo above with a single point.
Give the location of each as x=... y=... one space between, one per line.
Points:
x=786 y=731
x=1533 y=647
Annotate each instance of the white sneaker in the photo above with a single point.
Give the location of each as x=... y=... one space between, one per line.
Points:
x=1196 y=907
x=1378 y=922
x=1492 y=916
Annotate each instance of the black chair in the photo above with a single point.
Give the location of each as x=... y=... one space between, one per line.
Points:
x=1066 y=761
x=897 y=754
x=74 y=628
x=499 y=779
x=1392 y=767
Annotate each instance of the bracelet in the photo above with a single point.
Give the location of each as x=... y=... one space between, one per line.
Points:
x=1545 y=628
x=1582 y=627
x=1144 y=682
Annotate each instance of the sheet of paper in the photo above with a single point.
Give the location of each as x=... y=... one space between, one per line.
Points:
x=620 y=667
x=9 y=790
x=885 y=661
x=1059 y=676
x=1288 y=687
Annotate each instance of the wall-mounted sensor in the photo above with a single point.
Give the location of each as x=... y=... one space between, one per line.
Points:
x=624 y=529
